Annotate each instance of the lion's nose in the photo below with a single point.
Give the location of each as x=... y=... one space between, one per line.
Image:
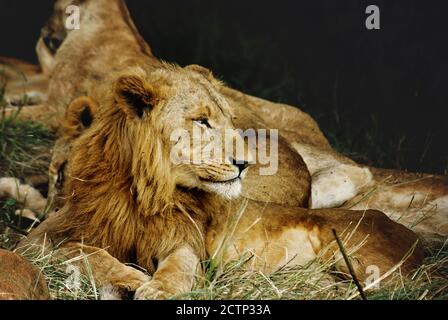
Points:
x=240 y=164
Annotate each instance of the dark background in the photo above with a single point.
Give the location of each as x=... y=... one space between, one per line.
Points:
x=379 y=96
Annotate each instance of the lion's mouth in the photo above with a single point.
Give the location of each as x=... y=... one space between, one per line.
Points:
x=230 y=181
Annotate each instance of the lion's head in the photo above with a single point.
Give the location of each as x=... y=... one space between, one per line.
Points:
x=64 y=25
x=53 y=34
x=170 y=124
x=193 y=124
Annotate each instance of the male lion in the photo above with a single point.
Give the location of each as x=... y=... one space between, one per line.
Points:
x=129 y=202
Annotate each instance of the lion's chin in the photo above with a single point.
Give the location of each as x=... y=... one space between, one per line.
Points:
x=227 y=190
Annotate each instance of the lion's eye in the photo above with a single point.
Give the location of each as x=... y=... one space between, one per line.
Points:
x=202 y=122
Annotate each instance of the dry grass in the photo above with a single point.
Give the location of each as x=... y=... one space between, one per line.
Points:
x=314 y=281
x=24 y=148
x=64 y=282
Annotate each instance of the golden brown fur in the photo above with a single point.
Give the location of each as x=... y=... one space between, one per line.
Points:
x=127 y=196
x=19 y=279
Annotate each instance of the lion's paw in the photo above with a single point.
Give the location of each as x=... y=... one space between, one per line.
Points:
x=151 y=290
x=129 y=279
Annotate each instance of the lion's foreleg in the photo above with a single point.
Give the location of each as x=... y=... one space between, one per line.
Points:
x=104 y=268
x=174 y=275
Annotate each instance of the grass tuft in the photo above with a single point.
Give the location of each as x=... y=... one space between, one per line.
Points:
x=65 y=282
x=24 y=148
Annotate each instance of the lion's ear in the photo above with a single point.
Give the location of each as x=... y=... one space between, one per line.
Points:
x=80 y=114
x=134 y=96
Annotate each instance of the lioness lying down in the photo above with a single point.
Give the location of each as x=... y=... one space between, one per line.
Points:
x=129 y=202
